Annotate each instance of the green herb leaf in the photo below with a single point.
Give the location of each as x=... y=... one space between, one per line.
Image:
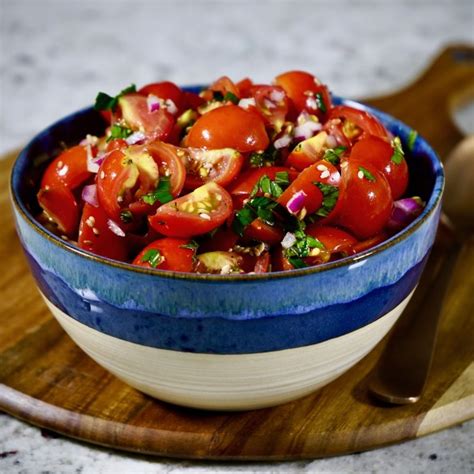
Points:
x=104 y=101
x=330 y=196
x=192 y=245
x=320 y=102
x=243 y=218
x=265 y=158
x=367 y=174
x=229 y=96
x=269 y=187
x=282 y=178
x=297 y=262
x=333 y=155
x=161 y=193
x=413 y=135
x=153 y=257
x=118 y=131
x=302 y=248
x=126 y=216
x=398 y=153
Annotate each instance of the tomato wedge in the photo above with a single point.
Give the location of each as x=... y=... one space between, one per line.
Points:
x=308 y=151
x=202 y=166
x=167 y=254
x=336 y=241
x=362 y=120
x=100 y=235
x=165 y=90
x=201 y=211
x=229 y=126
x=156 y=124
x=381 y=154
x=304 y=196
x=272 y=103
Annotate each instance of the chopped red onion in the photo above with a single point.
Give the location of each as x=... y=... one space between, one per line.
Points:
x=269 y=104
x=93 y=163
x=89 y=195
x=404 y=211
x=277 y=96
x=296 y=202
x=153 y=103
x=171 y=107
x=247 y=102
x=114 y=227
x=288 y=241
x=136 y=138
x=282 y=142
x=331 y=141
x=307 y=130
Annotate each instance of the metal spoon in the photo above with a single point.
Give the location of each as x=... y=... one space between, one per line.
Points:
x=402 y=371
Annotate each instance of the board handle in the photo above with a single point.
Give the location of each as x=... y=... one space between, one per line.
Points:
x=427 y=104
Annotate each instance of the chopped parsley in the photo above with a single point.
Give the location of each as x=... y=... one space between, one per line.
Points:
x=264 y=158
x=320 y=102
x=268 y=210
x=330 y=195
x=228 y=97
x=366 y=174
x=303 y=247
x=153 y=257
x=269 y=187
x=398 y=153
x=126 y=216
x=118 y=131
x=333 y=155
x=413 y=135
x=192 y=245
x=104 y=101
x=161 y=193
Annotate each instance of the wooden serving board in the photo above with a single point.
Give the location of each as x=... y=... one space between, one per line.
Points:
x=47 y=380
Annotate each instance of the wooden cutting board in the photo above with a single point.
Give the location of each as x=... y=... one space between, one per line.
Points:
x=47 y=380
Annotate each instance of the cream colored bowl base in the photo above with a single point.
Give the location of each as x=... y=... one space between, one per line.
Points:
x=228 y=382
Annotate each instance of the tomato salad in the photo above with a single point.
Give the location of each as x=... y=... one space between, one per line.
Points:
x=240 y=178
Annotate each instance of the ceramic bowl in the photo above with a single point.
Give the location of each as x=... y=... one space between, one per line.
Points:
x=224 y=342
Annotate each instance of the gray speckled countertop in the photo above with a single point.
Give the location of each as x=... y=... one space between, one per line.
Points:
x=55 y=55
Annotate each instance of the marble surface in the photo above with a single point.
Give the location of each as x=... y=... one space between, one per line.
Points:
x=55 y=55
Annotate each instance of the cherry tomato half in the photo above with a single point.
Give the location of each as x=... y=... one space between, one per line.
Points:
x=336 y=241
x=201 y=211
x=167 y=254
x=308 y=151
x=380 y=153
x=229 y=126
x=165 y=90
x=272 y=103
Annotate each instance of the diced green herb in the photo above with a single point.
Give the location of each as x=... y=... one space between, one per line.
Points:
x=265 y=158
x=302 y=248
x=269 y=187
x=333 y=155
x=126 y=216
x=243 y=218
x=229 y=96
x=367 y=174
x=161 y=193
x=118 y=131
x=104 y=101
x=398 y=153
x=330 y=195
x=153 y=257
x=320 y=102
x=282 y=178
x=192 y=245
x=413 y=135
x=297 y=262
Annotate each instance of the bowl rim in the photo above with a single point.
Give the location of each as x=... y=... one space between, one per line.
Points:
x=430 y=207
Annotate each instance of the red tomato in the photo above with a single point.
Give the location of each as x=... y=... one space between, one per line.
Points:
x=334 y=128
x=155 y=125
x=165 y=90
x=366 y=122
x=320 y=172
x=365 y=200
x=61 y=207
x=262 y=265
x=192 y=100
x=272 y=103
x=116 y=144
x=305 y=92
x=202 y=166
x=123 y=177
x=96 y=234
x=279 y=261
x=196 y=213
x=308 y=151
x=336 y=241
x=369 y=243
x=69 y=169
x=223 y=240
x=167 y=254
x=244 y=86
x=261 y=231
x=379 y=153
x=170 y=163
x=229 y=126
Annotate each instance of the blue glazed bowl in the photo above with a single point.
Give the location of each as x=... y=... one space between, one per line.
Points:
x=215 y=341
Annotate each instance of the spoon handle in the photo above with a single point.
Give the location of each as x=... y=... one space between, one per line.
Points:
x=403 y=368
